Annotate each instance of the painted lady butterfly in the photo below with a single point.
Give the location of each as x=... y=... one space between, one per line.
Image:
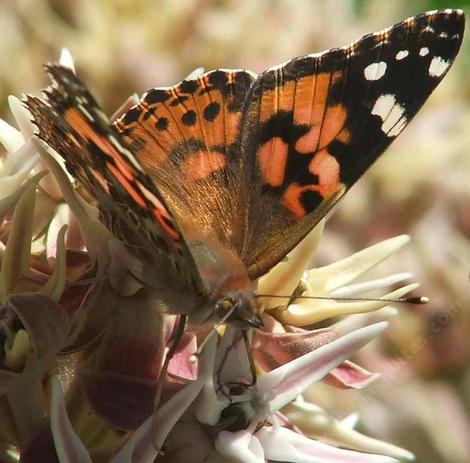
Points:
x=214 y=180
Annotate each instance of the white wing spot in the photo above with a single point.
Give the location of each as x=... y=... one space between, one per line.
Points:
x=85 y=112
x=444 y=35
x=438 y=66
x=383 y=106
x=423 y=51
x=401 y=54
x=375 y=70
x=398 y=127
x=429 y=29
x=391 y=113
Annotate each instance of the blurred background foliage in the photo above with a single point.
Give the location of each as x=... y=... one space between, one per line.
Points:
x=421 y=186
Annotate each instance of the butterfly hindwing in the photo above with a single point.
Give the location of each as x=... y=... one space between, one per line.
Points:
x=312 y=126
x=71 y=122
x=185 y=137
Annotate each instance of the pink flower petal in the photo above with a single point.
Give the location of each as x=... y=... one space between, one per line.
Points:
x=271 y=350
x=182 y=364
x=348 y=375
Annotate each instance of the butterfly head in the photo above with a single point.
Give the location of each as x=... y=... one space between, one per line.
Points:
x=239 y=308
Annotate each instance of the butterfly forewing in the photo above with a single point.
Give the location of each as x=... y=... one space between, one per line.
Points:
x=311 y=127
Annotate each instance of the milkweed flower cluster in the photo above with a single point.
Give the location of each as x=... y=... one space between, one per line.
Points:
x=83 y=343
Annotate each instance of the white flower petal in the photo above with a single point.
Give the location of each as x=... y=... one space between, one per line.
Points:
x=308 y=311
x=22 y=116
x=66 y=59
x=282 y=444
x=350 y=421
x=326 y=279
x=195 y=74
x=10 y=138
x=168 y=415
x=315 y=423
x=371 y=285
x=356 y=321
x=209 y=405
x=16 y=168
x=241 y=446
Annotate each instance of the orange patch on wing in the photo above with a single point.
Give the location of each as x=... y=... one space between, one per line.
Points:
x=327 y=168
x=202 y=164
x=279 y=99
x=161 y=216
x=304 y=97
x=232 y=123
x=311 y=97
x=272 y=159
x=292 y=198
x=130 y=189
x=324 y=130
x=82 y=126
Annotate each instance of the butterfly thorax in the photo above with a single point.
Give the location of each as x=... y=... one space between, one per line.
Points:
x=240 y=309
x=228 y=292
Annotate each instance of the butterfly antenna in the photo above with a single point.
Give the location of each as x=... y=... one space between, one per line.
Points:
x=401 y=300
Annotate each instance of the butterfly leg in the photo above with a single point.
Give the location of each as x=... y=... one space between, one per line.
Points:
x=251 y=360
x=235 y=386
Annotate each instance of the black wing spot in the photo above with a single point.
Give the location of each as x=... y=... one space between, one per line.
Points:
x=189 y=118
x=132 y=115
x=162 y=124
x=189 y=86
x=179 y=101
x=218 y=78
x=211 y=111
x=156 y=96
x=310 y=200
